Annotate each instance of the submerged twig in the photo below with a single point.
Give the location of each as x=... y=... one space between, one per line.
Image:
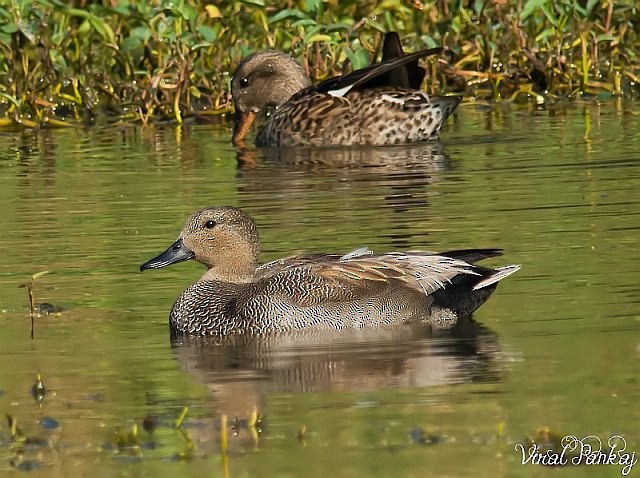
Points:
x=32 y=302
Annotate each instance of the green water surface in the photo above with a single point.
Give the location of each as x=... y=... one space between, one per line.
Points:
x=557 y=345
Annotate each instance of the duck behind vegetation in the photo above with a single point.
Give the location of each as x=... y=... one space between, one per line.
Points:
x=237 y=294
x=376 y=105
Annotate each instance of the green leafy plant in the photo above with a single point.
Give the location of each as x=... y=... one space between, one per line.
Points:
x=84 y=62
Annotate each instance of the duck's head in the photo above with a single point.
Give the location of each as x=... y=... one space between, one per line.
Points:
x=223 y=238
x=263 y=81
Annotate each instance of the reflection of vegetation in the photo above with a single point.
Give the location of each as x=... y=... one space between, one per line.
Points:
x=85 y=61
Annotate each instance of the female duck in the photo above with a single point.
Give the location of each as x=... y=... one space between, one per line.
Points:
x=237 y=294
x=367 y=107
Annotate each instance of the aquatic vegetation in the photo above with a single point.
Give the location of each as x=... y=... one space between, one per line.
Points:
x=34 y=308
x=24 y=448
x=64 y=63
x=127 y=444
x=38 y=390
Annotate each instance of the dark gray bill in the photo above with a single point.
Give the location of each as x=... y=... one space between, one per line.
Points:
x=177 y=252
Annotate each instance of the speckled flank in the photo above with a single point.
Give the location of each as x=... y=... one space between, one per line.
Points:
x=321 y=291
x=371 y=117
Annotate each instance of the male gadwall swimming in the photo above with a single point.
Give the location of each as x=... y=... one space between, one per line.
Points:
x=237 y=294
x=376 y=105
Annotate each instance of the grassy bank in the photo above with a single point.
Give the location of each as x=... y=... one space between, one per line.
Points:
x=81 y=61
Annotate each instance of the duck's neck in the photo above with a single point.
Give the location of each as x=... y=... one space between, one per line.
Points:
x=234 y=273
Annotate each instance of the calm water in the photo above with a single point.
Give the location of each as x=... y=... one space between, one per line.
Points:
x=557 y=345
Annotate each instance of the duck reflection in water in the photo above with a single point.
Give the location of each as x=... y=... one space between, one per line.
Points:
x=242 y=372
x=428 y=157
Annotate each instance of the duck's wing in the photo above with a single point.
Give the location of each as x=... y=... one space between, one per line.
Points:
x=326 y=277
x=341 y=85
x=422 y=272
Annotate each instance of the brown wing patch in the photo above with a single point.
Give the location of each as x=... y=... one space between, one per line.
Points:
x=426 y=273
x=359 y=271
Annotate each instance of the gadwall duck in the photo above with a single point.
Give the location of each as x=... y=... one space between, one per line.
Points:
x=237 y=294
x=376 y=105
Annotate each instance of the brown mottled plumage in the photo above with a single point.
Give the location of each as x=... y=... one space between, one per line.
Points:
x=375 y=105
x=322 y=291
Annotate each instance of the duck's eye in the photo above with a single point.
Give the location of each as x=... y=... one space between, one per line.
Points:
x=244 y=82
x=210 y=224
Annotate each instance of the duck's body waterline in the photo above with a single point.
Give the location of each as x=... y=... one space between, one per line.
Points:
x=318 y=291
